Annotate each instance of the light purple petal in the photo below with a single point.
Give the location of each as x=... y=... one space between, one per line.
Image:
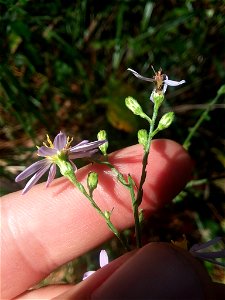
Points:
x=173 y=83
x=73 y=165
x=60 y=141
x=197 y=250
x=51 y=174
x=45 y=151
x=140 y=76
x=87 y=274
x=34 y=179
x=197 y=247
x=87 y=146
x=82 y=154
x=213 y=254
x=32 y=169
x=103 y=258
x=82 y=143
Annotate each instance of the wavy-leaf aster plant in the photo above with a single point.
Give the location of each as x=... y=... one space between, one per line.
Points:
x=60 y=153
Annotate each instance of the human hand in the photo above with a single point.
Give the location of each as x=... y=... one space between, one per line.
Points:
x=46 y=228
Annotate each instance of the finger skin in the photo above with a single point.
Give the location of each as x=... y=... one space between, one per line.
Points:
x=48 y=227
x=168 y=272
x=156 y=271
x=83 y=288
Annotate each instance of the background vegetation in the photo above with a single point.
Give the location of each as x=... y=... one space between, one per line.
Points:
x=63 y=67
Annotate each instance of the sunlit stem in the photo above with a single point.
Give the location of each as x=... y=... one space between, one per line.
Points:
x=71 y=176
x=203 y=117
x=138 y=201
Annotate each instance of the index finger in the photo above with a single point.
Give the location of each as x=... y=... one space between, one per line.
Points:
x=45 y=228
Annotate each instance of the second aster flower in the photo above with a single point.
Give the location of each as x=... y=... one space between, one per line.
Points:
x=57 y=153
x=161 y=81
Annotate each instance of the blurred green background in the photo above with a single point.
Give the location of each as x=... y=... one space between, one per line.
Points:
x=63 y=67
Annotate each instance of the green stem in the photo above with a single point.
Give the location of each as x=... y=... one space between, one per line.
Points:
x=73 y=179
x=138 y=201
x=135 y=212
x=203 y=116
x=119 y=175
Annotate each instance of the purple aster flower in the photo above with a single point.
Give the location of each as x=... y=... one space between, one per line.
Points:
x=103 y=260
x=55 y=154
x=161 y=81
x=198 y=250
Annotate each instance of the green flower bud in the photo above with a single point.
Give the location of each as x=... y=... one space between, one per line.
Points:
x=92 y=181
x=107 y=214
x=157 y=97
x=102 y=135
x=135 y=107
x=166 y=121
x=143 y=137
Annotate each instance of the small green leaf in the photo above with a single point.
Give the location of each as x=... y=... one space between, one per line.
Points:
x=92 y=181
x=166 y=120
x=143 y=137
x=102 y=135
x=135 y=107
x=107 y=214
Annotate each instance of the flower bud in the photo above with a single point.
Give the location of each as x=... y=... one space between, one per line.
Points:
x=143 y=137
x=166 y=120
x=102 y=135
x=92 y=181
x=157 y=98
x=135 y=107
x=107 y=214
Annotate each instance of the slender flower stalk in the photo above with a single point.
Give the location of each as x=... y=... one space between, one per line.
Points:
x=161 y=82
x=59 y=152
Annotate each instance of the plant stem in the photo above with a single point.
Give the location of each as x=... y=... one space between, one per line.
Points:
x=79 y=185
x=203 y=116
x=138 y=200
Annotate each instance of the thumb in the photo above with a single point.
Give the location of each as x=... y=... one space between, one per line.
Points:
x=157 y=271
